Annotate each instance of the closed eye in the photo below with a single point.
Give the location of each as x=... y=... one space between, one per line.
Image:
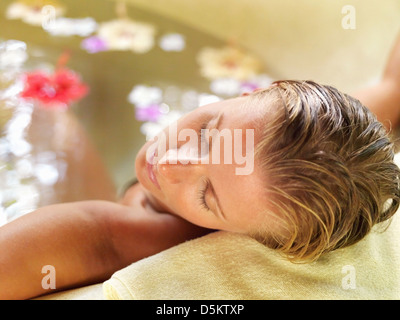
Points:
x=202 y=195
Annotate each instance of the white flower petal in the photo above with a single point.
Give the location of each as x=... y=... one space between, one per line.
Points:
x=69 y=27
x=205 y=99
x=20 y=147
x=225 y=86
x=47 y=174
x=150 y=129
x=142 y=95
x=31 y=14
x=16 y=10
x=12 y=54
x=26 y=200
x=227 y=62
x=123 y=34
x=172 y=42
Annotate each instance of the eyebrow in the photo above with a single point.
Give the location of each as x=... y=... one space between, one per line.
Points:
x=218 y=120
x=218 y=123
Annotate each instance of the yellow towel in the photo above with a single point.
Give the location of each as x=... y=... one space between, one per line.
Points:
x=225 y=265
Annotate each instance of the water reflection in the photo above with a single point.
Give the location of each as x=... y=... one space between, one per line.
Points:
x=24 y=173
x=144 y=72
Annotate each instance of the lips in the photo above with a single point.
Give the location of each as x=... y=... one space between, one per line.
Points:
x=151 y=170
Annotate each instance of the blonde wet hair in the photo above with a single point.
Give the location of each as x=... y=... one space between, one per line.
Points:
x=329 y=169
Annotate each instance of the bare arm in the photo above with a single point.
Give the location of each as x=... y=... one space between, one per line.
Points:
x=69 y=237
x=383 y=99
x=85 y=242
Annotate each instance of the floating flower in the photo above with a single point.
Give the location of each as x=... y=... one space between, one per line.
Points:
x=58 y=90
x=148 y=113
x=227 y=62
x=172 y=42
x=248 y=87
x=70 y=27
x=225 y=86
x=231 y=87
x=142 y=95
x=31 y=11
x=20 y=199
x=259 y=81
x=206 y=98
x=126 y=34
x=6 y=113
x=94 y=44
x=47 y=174
x=12 y=54
x=151 y=129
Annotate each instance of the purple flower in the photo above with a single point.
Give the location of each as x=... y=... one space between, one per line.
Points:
x=94 y=44
x=148 y=113
x=248 y=86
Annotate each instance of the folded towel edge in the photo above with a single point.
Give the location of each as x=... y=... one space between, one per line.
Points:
x=115 y=289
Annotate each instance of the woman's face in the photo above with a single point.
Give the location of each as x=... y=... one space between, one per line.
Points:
x=209 y=181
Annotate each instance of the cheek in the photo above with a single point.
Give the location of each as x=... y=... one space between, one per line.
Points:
x=185 y=204
x=180 y=199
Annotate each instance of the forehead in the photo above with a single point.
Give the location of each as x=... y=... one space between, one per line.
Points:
x=238 y=112
x=243 y=197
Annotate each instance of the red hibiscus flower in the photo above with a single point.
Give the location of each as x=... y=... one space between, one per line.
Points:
x=58 y=90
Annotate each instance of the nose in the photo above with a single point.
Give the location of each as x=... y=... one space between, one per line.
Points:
x=180 y=164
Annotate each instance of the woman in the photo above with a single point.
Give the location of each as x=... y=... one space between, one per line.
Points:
x=323 y=175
